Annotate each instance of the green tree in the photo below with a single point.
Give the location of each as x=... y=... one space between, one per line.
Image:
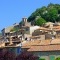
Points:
x=40 y=21
x=53 y=14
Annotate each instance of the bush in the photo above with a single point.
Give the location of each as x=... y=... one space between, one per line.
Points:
x=7 y=55
x=11 y=56
x=26 y=56
x=58 y=58
x=1 y=56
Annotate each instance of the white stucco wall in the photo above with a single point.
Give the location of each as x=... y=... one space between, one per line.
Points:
x=32 y=28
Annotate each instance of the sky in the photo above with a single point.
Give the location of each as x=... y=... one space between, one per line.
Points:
x=12 y=11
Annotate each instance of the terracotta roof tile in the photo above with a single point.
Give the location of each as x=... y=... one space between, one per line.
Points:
x=45 y=42
x=30 y=43
x=42 y=28
x=56 y=28
x=42 y=45
x=45 y=48
x=55 y=41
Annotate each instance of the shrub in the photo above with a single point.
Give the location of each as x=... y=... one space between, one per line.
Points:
x=1 y=56
x=58 y=58
x=26 y=56
x=41 y=59
x=9 y=56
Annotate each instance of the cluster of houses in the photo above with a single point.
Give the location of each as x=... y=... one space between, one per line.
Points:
x=43 y=41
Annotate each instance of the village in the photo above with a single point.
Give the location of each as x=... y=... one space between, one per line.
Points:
x=42 y=41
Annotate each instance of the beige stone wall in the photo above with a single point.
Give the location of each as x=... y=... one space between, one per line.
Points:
x=48 y=36
x=35 y=33
x=2 y=45
x=42 y=37
x=39 y=37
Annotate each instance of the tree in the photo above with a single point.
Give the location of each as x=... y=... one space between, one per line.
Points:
x=50 y=13
x=53 y=14
x=40 y=21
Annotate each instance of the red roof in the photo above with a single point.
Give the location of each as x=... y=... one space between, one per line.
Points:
x=42 y=45
x=45 y=48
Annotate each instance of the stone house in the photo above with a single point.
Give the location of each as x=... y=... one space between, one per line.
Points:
x=13 y=45
x=45 y=49
x=24 y=22
x=5 y=31
x=57 y=30
x=43 y=32
x=50 y=33
x=29 y=31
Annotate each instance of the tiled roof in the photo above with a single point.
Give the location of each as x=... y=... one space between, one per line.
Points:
x=31 y=43
x=42 y=45
x=28 y=44
x=55 y=41
x=45 y=42
x=37 y=42
x=42 y=28
x=45 y=48
x=56 y=28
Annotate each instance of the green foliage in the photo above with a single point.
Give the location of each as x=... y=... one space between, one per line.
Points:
x=14 y=29
x=51 y=13
x=40 y=21
x=41 y=59
x=57 y=58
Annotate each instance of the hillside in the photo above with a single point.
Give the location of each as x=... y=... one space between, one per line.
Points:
x=51 y=13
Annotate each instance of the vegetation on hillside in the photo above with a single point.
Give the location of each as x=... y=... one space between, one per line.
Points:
x=51 y=13
x=40 y=21
x=14 y=30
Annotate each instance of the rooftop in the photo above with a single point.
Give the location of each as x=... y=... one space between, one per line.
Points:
x=45 y=48
x=42 y=45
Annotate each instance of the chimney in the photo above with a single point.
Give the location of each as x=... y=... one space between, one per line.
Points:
x=24 y=20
